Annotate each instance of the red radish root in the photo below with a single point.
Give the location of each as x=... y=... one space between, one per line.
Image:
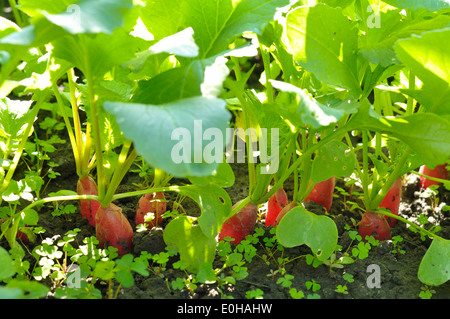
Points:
x=241 y=224
x=274 y=205
x=373 y=224
x=113 y=229
x=88 y=207
x=322 y=193
x=439 y=172
x=392 y=200
x=151 y=203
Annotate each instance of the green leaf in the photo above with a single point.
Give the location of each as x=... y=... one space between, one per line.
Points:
x=333 y=159
x=30 y=289
x=105 y=269
x=194 y=247
x=214 y=203
x=427 y=57
x=310 y=111
x=100 y=16
x=30 y=217
x=162 y=17
x=377 y=45
x=300 y=226
x=33 y=7
x=324 y=42
x=431 y=5
x=426 y=133
x=434 y=269
x=171 y=85
x=206 y=274
x=95 y=55
x=170 y=136
x=223 y=176
x=181 y=44
x=7 y=269
x=338 y=3
x=218 y=22
x=14 y=116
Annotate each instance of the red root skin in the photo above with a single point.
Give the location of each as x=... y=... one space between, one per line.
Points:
x=283 y=212
x=373 y=224
x=392 y=200
x=274 y=206
x=88 y=207
x=322 y=193
x=439 y=172
x=113 y=229
x=241 y=224
x=150 y=203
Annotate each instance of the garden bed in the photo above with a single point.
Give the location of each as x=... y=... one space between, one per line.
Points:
x=104 y=105
x=398 y=277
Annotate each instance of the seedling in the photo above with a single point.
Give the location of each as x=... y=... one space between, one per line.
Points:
x=343 y=288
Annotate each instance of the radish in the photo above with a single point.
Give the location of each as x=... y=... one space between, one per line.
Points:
x=283 y=212
x=439 y=172
x=88 y=207
x=275 y=204
x=322 y=193
x=392 y=200
x=241 y=224
x=113 y=229
x=373 y=224
x=151 y=203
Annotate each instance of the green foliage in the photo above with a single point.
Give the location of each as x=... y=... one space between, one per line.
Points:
x=154 y=77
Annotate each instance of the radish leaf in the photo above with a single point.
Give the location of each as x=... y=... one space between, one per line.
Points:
x=214 y=203
x=170 y=136
x=434 y=269
x=333 y=159
x=324 y=42
x=101 y=16
x=217 y=23
x=427 y=57
x=431 y=5
x=299 y=227
x=193 y=246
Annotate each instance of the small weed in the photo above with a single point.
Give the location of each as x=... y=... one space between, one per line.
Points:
x=343 y=288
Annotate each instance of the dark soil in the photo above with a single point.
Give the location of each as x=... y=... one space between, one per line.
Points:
x=398 y=271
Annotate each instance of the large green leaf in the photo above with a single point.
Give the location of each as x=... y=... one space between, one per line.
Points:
x=218 y=22
x=318 y=232
x=426 y=133
x=171 y=85
x=223 y=176
x=309 y=110
x=170 y=136
x=162 y=17
x=33 y=7
x=194 y=247
x=377 y=44
x=87 y=16
x=333 y=159
x=431 y=5
x=434 y=269
x=214 y=203
x=324 y=42
x=95 y=55
x=428 y=57
x=7 y=269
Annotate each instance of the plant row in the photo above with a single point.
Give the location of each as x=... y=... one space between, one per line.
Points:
x=348 y=88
